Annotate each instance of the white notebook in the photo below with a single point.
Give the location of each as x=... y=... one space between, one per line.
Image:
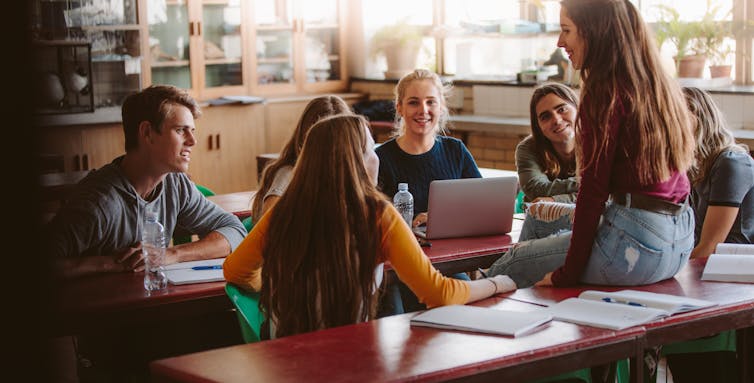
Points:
x=183 y=272
x=481 y=319
x=731 y=262
x=622 y=309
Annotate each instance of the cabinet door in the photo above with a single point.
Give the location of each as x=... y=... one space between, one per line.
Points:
x=280 y=122
x=274 y=38
x=323 y=28
x=243 y=141
x=101 y=144
x=221 y=36
x=169 y=43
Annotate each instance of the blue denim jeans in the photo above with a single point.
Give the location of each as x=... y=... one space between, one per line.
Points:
x=632 y=247
x=534 y=228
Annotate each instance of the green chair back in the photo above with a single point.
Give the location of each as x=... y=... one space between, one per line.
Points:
x=250 y=317
x=248 y=224
x=724 y=341
x=520 y=202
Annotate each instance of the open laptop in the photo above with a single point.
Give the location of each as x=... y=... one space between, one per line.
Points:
x=469 y=207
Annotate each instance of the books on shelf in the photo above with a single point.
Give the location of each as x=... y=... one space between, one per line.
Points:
x=208 y=270
x=731 y=262
x=481 y=319
x=622 y=309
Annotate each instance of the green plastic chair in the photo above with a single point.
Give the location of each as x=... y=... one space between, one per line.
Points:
x=520 y=202
x=248 y=224
x=250 y=317
x=181 y=239
x=724 y=341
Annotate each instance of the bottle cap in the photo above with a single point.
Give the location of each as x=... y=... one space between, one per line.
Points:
x=402 y=186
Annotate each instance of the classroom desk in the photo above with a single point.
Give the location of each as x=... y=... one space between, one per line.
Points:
x=735 y=308
x=117 y=299
x=110 y=300
x=389 y=349
x=237 y=203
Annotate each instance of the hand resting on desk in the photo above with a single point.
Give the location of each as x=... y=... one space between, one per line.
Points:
x=128 y=259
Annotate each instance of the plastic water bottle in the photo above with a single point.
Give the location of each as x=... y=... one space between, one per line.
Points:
x=153 y=250
x=404 y=203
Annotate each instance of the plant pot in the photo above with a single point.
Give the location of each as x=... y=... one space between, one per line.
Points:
x=716 y=71
x=401 y=59
x=690 y=66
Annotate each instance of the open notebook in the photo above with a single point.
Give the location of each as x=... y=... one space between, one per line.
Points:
x=481 y=319
x=622 y=309
x=731 y=262
x=209 y=270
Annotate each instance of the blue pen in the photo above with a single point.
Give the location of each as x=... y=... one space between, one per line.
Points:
x=611 y=300
x=215 y=267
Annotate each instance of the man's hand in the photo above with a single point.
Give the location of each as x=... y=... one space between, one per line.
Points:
x=130 y=259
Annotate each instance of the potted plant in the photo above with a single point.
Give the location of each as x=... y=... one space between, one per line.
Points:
x=689 y=59
x=711 y=41
x=400 y=44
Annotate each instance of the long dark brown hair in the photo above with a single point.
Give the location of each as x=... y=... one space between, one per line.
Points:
x=321 y=250
x=315 y=110
x=711 y=133
x=546 y=154
x=622 y=76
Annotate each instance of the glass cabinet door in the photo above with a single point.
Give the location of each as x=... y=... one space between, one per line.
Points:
x=221 y=37
x=274 y=26
x=169 y=42
x=322 y=45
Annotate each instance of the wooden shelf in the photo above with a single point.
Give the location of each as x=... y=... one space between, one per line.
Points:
x=274 y=28
x=333 y=57
x=222 y=61
x=169 y=64
x=321 y=26
x=274 y=60
x=112 y=28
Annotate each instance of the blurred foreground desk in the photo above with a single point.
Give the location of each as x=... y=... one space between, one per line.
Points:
x=389 y=349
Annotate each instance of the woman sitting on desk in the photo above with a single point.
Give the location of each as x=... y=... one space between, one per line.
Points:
x=332 y=232
x=635 y=146
x=546 y=161
x=277 y=175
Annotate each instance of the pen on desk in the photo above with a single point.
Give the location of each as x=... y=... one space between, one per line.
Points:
x=213 y=267
x=482 y=272
x=612 y=300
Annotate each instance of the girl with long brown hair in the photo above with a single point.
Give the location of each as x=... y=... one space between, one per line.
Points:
x=632 y=222
x=277 y=175
x=317 y=255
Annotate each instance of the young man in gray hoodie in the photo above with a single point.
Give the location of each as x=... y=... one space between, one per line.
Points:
x=98 y=229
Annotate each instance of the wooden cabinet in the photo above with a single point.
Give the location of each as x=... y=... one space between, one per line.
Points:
x=83 y=147
x=222 y=47
x=281 y=118
x=228 y=140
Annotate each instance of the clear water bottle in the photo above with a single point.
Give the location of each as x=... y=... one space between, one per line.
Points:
x=153 y=250
x=404 y=203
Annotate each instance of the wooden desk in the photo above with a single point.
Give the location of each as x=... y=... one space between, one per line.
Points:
x=118 y=299
x=389 y=349
x=237 y=203
x=111 y=300
x=735 y=310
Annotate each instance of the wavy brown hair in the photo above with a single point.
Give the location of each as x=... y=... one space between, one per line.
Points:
x=315 y=110
x=622 y=76
x=711 y=133
x=546 y=154
x=321 y=250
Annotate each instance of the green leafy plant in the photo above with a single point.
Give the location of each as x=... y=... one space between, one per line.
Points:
x=682 y=34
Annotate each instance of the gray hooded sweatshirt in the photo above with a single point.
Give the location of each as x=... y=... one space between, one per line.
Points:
x=101 y=215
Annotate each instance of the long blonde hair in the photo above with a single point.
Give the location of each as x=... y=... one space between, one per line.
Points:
x=400 y=94
x=622 y=76
x=711 y=133
x=315 y=110
x=321 y=250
